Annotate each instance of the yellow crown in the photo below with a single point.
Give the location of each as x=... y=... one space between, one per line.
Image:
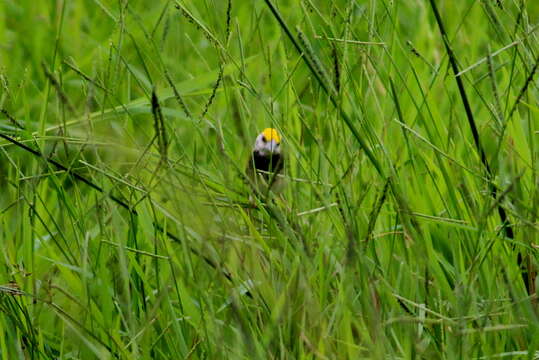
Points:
x=271 y=134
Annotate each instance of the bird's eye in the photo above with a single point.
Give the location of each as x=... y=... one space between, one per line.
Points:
x=264 y=139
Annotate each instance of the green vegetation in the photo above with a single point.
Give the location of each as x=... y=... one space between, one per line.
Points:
x=127 y=227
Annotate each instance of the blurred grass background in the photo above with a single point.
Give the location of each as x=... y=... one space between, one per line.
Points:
x=387 y=242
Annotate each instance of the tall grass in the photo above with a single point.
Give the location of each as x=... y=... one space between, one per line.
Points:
x=408 y=227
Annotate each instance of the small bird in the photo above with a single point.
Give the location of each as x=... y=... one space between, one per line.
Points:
x=267 y=162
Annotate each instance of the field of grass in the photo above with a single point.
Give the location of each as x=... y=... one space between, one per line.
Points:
x=408 y=226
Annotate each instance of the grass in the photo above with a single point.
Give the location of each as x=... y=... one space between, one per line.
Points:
x=410 y=217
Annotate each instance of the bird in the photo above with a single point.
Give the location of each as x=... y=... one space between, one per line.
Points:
x=266 y=162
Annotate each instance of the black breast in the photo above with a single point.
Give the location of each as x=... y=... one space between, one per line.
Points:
x=271 y=163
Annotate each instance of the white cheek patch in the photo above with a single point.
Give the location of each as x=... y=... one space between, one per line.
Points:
x=259 y=144
x=265 y=147
x=273 y=146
